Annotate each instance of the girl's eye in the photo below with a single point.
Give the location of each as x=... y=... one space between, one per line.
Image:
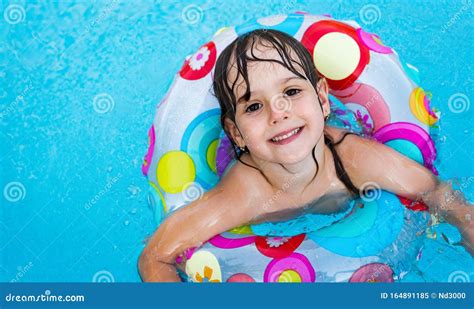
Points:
x=253 y=107
x=292 y=92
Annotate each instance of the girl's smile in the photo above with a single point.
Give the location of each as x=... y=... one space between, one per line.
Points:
x=287 y=136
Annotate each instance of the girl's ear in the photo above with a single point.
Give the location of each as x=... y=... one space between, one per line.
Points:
x=323 y=92
x=234 y=132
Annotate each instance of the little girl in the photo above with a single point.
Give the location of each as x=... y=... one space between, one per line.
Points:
x=274 y=107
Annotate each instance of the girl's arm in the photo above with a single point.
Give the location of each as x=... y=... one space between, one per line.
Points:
x=372 y=162
x=224 y=207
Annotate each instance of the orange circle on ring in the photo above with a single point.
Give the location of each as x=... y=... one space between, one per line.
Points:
x=319 y=29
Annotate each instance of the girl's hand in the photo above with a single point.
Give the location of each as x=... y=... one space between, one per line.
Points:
x=449 y=204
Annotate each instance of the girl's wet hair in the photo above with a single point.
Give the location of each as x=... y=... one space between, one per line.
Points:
x=293 y=56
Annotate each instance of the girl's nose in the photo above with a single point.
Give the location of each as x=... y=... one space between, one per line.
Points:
x=278 y=116
x=280 y=108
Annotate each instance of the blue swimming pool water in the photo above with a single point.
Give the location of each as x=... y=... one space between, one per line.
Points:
x=79 y=85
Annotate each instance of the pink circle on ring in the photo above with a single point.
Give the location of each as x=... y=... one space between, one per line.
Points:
x=412 y=133
x=220 y=241
x=240 y=277
x=368 y=97
x=188 y=253
x=295 y=261
x=149 y=154
x=368 y=40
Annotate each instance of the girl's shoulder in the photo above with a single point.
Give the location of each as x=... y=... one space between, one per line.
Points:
x=243 y=176
x=340 y=135
x=346 y=142
x=353 y=151
x=334 y=133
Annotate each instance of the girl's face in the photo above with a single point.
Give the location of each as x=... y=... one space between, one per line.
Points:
x=282 y=121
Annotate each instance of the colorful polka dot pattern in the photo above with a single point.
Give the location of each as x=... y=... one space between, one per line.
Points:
x=175 y=170
x=199 y=64
x=289 y=24
x=337 y=52
x=200 y=142
x=357 y=66
x=420 y=107
x=149 y=154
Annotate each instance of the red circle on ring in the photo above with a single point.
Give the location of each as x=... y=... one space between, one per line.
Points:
x=188 y=73
x=321 y=28
x=413 y=205
x=283 y=250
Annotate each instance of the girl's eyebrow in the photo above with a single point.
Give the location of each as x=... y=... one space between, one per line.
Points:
x=282 y=81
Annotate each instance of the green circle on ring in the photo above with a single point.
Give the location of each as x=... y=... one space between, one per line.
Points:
x=212 y=154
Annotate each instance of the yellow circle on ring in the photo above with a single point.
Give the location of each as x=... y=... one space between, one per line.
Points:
x=212 y=154
x=418 y=109
x=336 y=55
x=289 y=275
x=244 y=229
x=174 y=171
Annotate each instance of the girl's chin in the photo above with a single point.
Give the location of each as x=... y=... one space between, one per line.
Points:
x=295 y=156
x=283 y=158
x=293 y=160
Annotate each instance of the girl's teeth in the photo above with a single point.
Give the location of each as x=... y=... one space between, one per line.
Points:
x=279 y=138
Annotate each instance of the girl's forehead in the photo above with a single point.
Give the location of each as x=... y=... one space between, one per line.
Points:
x=260 y=72
x=253 y=65
x=262 y=76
